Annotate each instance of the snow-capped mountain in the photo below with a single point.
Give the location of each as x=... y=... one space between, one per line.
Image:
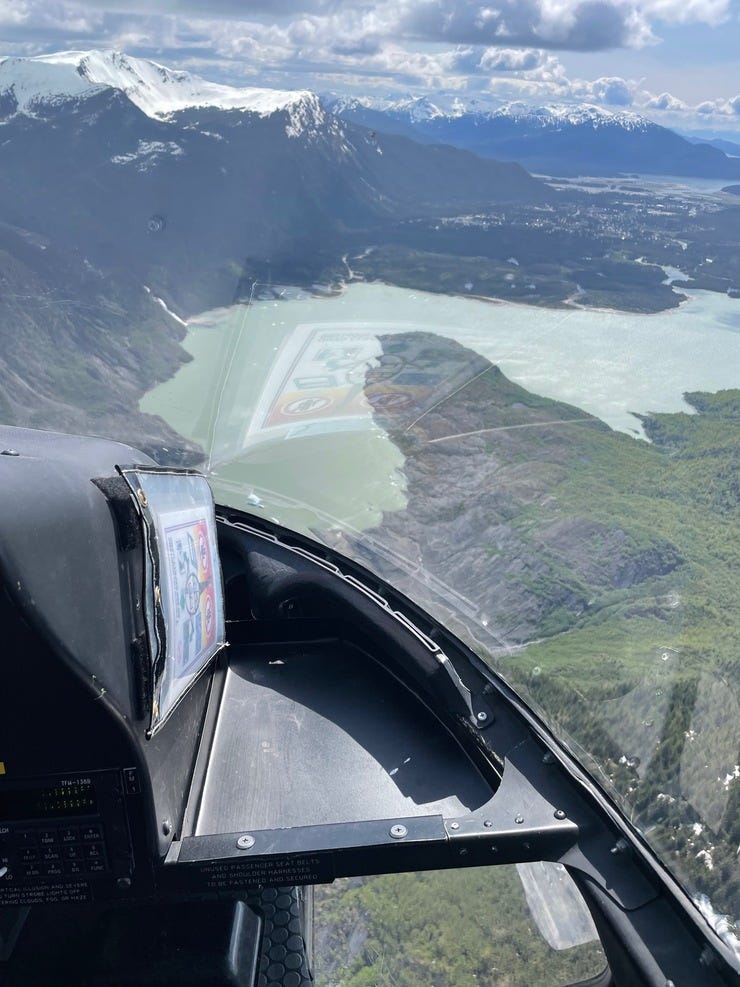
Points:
x=421 y=110
x=133 y=196
x=180 y=180
x=416 y=109
x=553 y=139
x=38 y=83
x=555 y=116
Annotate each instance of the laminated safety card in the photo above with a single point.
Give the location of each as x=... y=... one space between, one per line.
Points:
x=192 y=593
x=183 y=600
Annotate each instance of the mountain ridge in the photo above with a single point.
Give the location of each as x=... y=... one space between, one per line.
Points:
x=552 y=139
x=190 y=204
x=235 y=176
x=156 y=90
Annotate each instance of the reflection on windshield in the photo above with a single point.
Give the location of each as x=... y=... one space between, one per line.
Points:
x=592 y=569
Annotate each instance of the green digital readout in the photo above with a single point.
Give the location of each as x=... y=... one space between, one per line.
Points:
x=42 y=803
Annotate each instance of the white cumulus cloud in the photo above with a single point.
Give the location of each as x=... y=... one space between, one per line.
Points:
x=720 y=107
x=609 y=90
x=511 y=59
x=665 y=102
x=496 y=49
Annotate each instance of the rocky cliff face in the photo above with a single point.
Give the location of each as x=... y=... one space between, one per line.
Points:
x=78 y=347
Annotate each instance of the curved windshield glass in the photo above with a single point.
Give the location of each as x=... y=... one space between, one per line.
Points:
x=368 y=929
x=485 y=458
x=443 y=288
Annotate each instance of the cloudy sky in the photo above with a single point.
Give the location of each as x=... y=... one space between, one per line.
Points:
x=677 y=61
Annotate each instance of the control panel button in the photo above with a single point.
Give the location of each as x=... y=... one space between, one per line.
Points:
x=91 y=833
x=131 y=781
x=52 y=840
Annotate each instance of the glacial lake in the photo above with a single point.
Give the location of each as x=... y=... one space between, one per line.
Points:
x=240 y=396
x=608 y=363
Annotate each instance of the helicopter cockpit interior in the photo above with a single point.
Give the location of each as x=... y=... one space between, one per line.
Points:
x=204 y=716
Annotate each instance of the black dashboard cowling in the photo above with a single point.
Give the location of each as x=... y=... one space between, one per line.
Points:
x=59 y=552
x=88 y=803
x=245 y=785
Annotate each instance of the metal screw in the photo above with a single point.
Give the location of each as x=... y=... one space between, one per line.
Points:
x=487 y=823
x=9 y=452
x=398 y=831
x=166 y=827
x=526 y=846
x=559 y=813
x=619 y=847
x=463 y=851
x=142 y=497
x=482 y=717
x=124 y=883
x=454 y=825
x=245 y=842
x=518 y=818
x=494 y=849
x=548 y=757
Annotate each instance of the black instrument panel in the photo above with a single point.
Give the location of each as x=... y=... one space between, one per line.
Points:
x=63 y=836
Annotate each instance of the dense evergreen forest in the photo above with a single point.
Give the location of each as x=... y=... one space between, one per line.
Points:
x=632 y=653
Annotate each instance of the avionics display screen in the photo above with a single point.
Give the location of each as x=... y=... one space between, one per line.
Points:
x=42 y=803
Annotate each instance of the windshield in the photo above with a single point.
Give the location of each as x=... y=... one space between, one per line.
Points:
x=453 y=291
x=500 y=478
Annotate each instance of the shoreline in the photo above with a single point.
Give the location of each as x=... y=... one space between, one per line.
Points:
x=565 y=305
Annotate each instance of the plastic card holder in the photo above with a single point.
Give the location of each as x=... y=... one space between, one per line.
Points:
x=183 y=593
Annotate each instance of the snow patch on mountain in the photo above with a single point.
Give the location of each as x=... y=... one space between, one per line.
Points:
x=148 y=153
x=155 y=89
x=31 y=82
x=417 y=109
x=585 y=114
x=420 y=110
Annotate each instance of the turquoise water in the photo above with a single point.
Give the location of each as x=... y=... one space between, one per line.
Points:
x=608 y=363
x=345 y=467
x=611 y=364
